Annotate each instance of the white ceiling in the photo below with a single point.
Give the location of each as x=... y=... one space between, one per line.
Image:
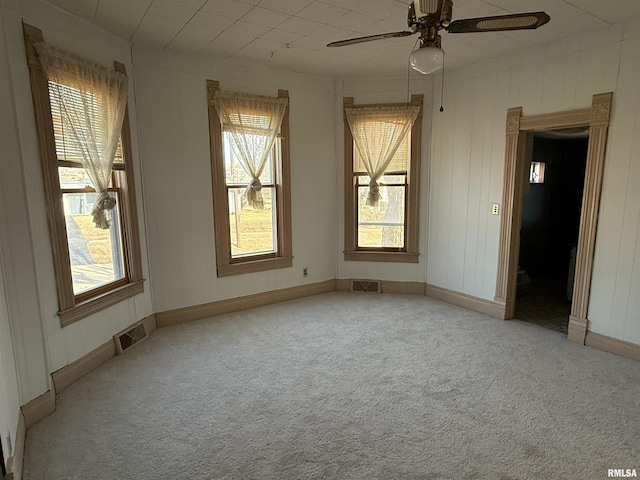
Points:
x=292 y=34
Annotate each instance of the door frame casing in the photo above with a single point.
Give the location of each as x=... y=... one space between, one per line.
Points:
x=518 y=130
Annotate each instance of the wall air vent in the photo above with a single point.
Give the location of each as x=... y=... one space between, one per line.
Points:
x=372 y=286
x=130 y=337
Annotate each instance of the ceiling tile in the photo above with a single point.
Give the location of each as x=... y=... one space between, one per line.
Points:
x=169 y=11
x=310 y=43
x=352 y=5
x=193 y=38
x=191 y=4
x=228 y=8
x=81 y=8
x=384 y=8
x=121 y=17
x=277 y=35
x=299 y=25
x=251 y=30
x=290 y=7
x=331 y=33
x=227 y=43
x=210 y=20
x=260 y=47
x=321 y=12
x=156 y=32
x=262 y=16
x=353 y=21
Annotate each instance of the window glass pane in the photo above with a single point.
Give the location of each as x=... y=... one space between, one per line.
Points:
x=384 y=180
x=382 y=226
x=235 y=173
x=252 y=230
x=96 y=254
x=74 y=178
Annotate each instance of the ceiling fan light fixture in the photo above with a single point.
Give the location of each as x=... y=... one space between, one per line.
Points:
x=427 y=59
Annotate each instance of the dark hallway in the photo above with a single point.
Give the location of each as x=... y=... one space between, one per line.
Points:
x=549 y=230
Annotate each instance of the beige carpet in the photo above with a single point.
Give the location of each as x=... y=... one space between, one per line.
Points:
x=346 y=386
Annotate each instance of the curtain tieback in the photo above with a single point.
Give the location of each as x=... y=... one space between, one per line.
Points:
x=103 y=202
x=374 y=187
x=374 y=193
x=253 y=195
x=255 y=184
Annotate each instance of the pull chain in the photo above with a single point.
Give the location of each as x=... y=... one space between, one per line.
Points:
x=442 y=83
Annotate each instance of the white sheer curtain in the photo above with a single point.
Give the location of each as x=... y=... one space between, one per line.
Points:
x=92 y=101
x=253 y=122
x=377 y=133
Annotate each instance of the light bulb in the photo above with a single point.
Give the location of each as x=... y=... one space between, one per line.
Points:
x=426 y=59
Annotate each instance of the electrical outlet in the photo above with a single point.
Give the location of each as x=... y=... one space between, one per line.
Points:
x=495 y=209
x=305 y=272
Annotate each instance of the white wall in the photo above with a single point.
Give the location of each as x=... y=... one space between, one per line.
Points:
x=9 y=397
x=172 y=110
x=384 y=90
x=16 y=240
x=468 y=160
x=41 y=346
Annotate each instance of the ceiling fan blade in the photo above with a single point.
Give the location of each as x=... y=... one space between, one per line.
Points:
x=352 y=41
x=517 y=21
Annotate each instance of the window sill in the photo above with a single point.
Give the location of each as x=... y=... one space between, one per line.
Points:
x=369 y=256
x=96 y=304
x=254 y=266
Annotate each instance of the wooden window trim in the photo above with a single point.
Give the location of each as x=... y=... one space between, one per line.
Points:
x=74 y=307
x=353 y=253
x=283 y=257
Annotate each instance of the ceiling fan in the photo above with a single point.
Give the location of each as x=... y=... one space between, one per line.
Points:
x=428 y=17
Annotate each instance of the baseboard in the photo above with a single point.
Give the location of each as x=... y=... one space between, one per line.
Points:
x=39 y=408
x=488 y=307
x=15 y=462
x=577 y=329
x=613 y=345
x=198 y=312
x=150 y=323
x=412 y=288
x=387 y=286
x=76 y=370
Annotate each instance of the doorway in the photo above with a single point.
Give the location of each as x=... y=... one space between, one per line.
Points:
x=549 y=227
x=518 y=138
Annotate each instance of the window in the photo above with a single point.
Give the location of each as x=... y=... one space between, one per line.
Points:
x=251 y=190
x=536 y=172
x=95 y=267
x=381 y=216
